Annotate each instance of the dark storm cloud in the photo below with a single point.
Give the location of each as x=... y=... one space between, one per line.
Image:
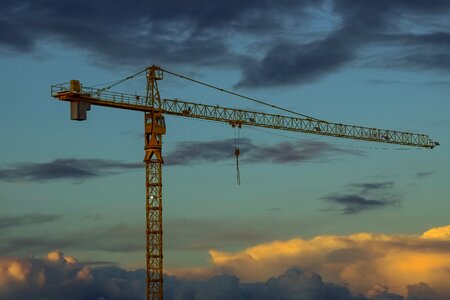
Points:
x=288 y=62
x=198 y=32
x=281 y=153
x=30 y=219
x=363 y=197
x=168 y=31
x=68 y=168
x=363 y=24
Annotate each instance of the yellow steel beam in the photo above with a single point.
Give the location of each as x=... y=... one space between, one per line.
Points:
x=243 y=117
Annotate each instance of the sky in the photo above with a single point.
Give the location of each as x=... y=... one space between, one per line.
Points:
x=313 y=218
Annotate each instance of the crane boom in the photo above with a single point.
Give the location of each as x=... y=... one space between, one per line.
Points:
x=234 y=116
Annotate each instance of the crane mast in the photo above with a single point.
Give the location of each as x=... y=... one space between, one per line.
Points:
x=81 y=98
x=154 y=129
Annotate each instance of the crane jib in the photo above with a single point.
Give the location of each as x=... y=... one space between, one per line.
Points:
x=217 y=113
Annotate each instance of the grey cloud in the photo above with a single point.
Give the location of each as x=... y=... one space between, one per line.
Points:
x=373 y=186
x=296 y=152
x=289 y=62
x=293 y=284
x=436 y=83
x=207 y=233
x=117 y=238
x=364 y=24
x=352 y=204
x=281 y=153
x=68 y=168
x=376 y=15
x=424 y=174
x=209 y=151
x=205 y=33
x=363 y=197
x=422 y=291
x=30 y=219
x=62 y=279
x=381 y=292
x=95 y=263
x=169 y=31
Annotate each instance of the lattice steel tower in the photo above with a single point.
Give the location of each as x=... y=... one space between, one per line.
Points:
x=154 y=130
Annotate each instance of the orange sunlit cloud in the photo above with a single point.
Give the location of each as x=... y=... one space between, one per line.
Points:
x=359 y=260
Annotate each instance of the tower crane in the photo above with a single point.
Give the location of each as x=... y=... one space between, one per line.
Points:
x=81 y=98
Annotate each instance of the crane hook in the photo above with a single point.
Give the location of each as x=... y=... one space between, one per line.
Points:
x=238 y=175
x=237 y=151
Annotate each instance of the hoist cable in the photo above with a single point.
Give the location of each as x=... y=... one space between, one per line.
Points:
x=120 y=81
x=237 y=151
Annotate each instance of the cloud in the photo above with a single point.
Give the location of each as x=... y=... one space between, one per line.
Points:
x=63 y=277
x=117 y=238
x=359 y=266
x=204 y=233
x=364 y=25
x=362 y=197
x=289 y=62
x=292 y=284
x=353 y=204
x=424 y=174
x=292 y=42
x=281 y=153
x=359 y=261
x=422 y=291
x=67 y=168
x=435 y=83
x=211 y=151
x=186 y=153
x=373 y=186
x=186 y=31
x=30 y=219
x=381 y=292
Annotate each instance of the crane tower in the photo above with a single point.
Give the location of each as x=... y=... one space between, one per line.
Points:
x=81 y=98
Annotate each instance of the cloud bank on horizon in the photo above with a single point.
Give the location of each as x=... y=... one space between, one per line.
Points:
x=311 y=40
x=63 y=277
x=358 y=261
x=360 y=266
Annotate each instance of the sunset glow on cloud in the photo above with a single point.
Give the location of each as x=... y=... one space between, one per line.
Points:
x=358 y=266
x=359 y=261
